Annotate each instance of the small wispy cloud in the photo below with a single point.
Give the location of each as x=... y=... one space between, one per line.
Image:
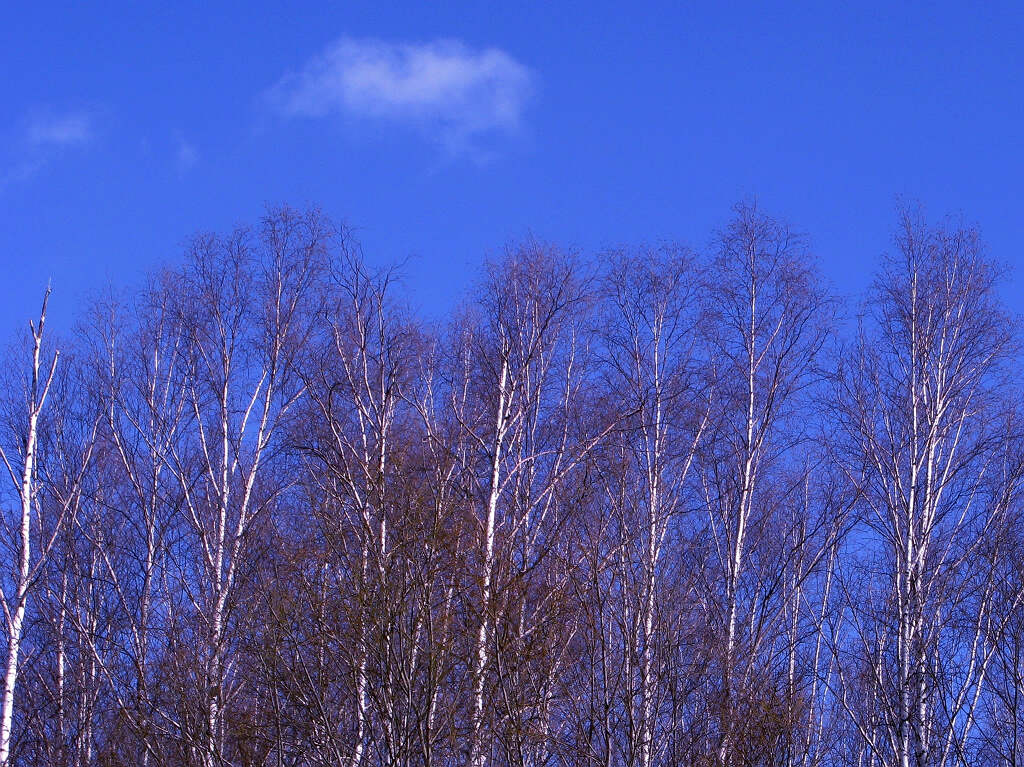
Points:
x=38 y=138
x=58 y=130
x=454 y=91
x=186 y=156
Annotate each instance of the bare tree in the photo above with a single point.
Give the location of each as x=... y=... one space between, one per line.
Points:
x=355 y=392
x=769 y=320
x=654 y=364
x=260 y=515
x=514 y=395
x=929 y=450
x=244 y=309
x=44 y=507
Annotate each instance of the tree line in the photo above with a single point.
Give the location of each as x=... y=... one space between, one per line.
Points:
x=656 y=507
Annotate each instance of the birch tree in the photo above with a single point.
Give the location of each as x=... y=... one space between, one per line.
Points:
x=355 y=392
x=930 y=452
x=768 y=321
x=43 y=509
x=259 y=514
x=514 y=396
x=245 y=312
x=654 y=361
x=133 y=347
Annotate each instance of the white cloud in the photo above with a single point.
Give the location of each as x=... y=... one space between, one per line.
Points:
x=443 y=85
x=70 y=129
x=38 y=138
x=187 y=156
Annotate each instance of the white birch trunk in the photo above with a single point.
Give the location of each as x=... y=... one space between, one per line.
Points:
x=475 y=755
x=38 y=389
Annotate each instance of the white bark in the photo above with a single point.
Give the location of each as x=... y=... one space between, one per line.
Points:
x=918 y=407
x=480 y=652
x=39 y=386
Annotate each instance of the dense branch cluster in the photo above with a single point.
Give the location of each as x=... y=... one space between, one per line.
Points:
x=658 y=507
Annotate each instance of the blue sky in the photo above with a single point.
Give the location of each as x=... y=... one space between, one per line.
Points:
x=441 y=131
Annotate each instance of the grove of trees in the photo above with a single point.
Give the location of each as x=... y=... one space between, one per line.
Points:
x=653 y=507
